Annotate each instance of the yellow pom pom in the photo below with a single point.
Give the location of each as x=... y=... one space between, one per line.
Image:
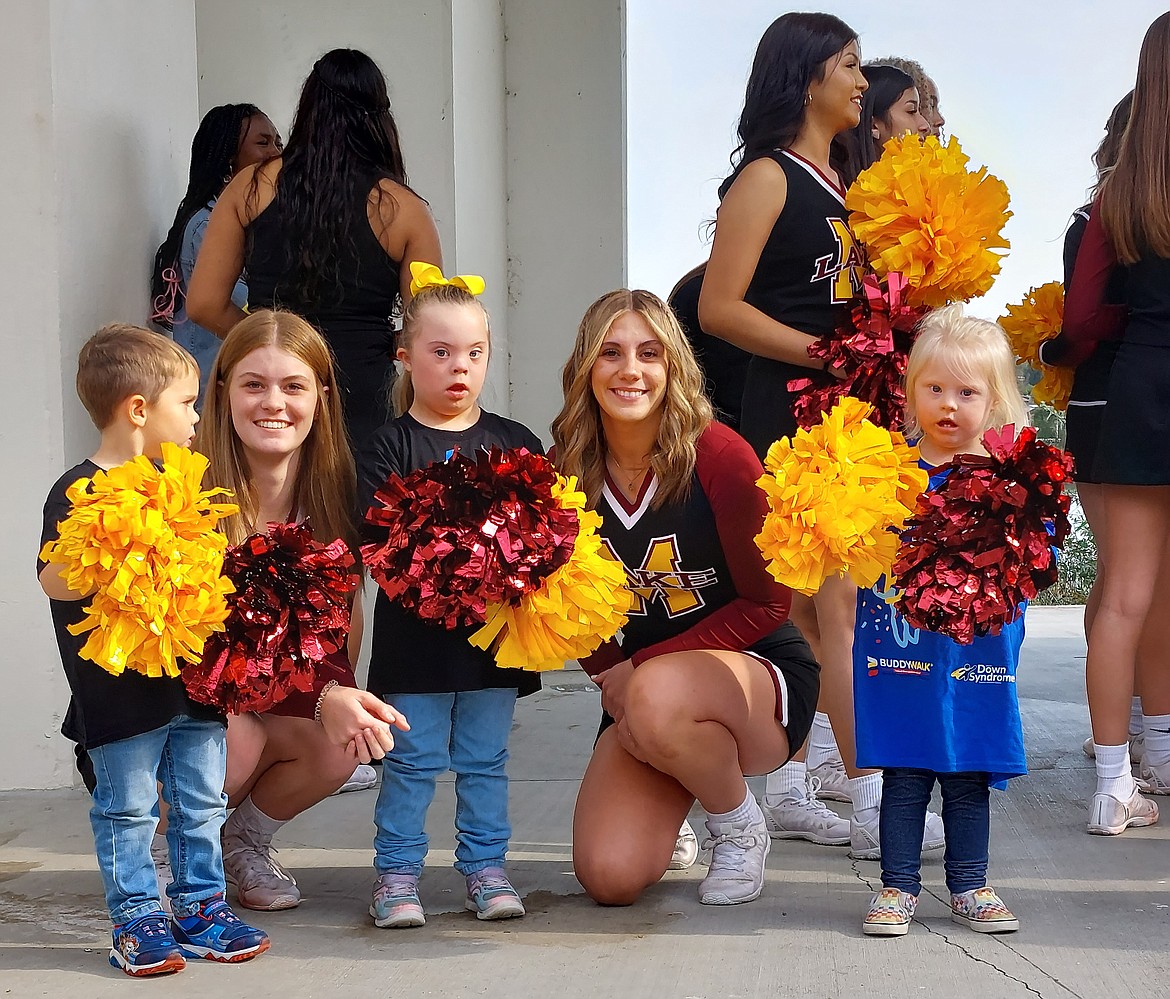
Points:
x=837 y=492
x=143 y=542
x=1037 y=318
x=921 y=212
x=580 y=605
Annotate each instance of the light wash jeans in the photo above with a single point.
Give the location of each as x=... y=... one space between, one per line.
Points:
x=189 y=757
x=466 y=732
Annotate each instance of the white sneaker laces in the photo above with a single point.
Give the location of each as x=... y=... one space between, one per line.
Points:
x=255 y=863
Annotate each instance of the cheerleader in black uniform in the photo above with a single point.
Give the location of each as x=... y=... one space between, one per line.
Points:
x=783 y=269
x=1129 y=227
x=710 y=681
x=1086 y=404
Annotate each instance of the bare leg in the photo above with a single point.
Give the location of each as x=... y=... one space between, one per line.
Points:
x=1137 y=519
x=298 y=768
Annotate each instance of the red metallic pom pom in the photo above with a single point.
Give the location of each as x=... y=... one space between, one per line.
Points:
x=870 y=349
x=981 y=544
x=289 y=612
x=465 y=533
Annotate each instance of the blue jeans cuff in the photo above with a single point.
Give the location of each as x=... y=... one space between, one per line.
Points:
x=474 y=868
x=128 y=915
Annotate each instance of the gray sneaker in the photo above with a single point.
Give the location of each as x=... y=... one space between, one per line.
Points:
x=800 y=814
x=261 y=883
x=738 y=852
x=686 y=849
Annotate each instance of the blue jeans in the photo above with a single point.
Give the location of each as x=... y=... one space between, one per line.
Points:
x=189 y=757
x=203 y=345
x=466 y=732
x=966 y=815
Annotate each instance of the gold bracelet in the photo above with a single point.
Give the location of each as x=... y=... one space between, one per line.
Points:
x=321 y=700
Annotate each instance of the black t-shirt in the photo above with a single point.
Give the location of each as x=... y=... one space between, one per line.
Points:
x=105 y=708
x=410 y=655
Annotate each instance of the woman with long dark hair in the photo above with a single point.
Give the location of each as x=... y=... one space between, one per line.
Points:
x=783 y=269
x=328 y=231
x=890 y=106
x=230 y=137
x=1129 y=229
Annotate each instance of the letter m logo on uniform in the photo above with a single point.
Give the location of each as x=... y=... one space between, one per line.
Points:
x=661 y=577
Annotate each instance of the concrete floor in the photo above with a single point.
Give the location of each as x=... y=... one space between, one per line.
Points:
x=1095 y=912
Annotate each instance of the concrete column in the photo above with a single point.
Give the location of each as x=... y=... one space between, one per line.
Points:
x=98 y=127
x=565 y=66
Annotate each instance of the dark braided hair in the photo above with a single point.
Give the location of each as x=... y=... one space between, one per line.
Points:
x=213 y=152
x=791 y=54
x=343 y=140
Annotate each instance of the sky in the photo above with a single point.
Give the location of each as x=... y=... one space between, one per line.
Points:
x=1026 y=88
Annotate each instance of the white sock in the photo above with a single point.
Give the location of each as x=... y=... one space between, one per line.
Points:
x=1157 y=730
x=1135 y=718
x=252 y=824
x=866 y=793
x=1113 y=771
x=746 y=813
x=822 y=745
x=787 y=782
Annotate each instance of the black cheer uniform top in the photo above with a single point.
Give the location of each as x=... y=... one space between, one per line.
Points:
x=809 y=270
x=410 y=655
x=698 y=579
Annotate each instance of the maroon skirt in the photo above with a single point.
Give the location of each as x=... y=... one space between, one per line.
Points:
x=303 y=703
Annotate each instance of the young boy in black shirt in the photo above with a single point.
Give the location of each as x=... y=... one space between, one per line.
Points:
x=140 y=388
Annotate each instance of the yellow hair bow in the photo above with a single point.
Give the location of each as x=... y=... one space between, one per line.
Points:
x=423 y=275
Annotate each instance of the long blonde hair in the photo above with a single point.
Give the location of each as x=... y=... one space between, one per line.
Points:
x=577 y=429
x=974 y=350
x=326 y=481
x=1134 y=197
x=402 y=396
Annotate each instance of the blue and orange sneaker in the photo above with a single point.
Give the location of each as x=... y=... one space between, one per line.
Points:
x=145 y=946
x=216 y=933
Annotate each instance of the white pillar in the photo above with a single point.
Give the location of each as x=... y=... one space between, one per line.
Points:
x=566 y=184
x=98 y=126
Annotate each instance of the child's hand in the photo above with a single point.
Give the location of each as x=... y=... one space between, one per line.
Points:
x=361 y=722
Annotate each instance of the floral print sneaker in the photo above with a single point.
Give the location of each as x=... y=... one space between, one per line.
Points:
x=983 y=910
x=889 y=913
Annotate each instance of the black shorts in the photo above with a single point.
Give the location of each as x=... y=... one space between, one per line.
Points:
x=794 y=673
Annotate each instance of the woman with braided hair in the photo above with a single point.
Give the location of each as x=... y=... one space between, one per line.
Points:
x=230 y=137
x=328 y=230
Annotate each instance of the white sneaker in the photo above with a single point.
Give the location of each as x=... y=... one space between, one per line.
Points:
x=261 y=883
x=162 y=872
x=362 y=778
x=1137 y=748
x=738 y=852
x=834 y=782
x=1110 y=816
x=1154 y=780
x=686 y=849
x=800 y=814
x=865 y=841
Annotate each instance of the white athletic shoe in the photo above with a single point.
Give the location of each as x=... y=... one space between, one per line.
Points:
x=738 y=852
x=363 y=778
x=800 y=814
x=834 y=782
x=1110 y=816
x=1137 y=748
x=1154 y=780
x=686 y=849
x=865 y=841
